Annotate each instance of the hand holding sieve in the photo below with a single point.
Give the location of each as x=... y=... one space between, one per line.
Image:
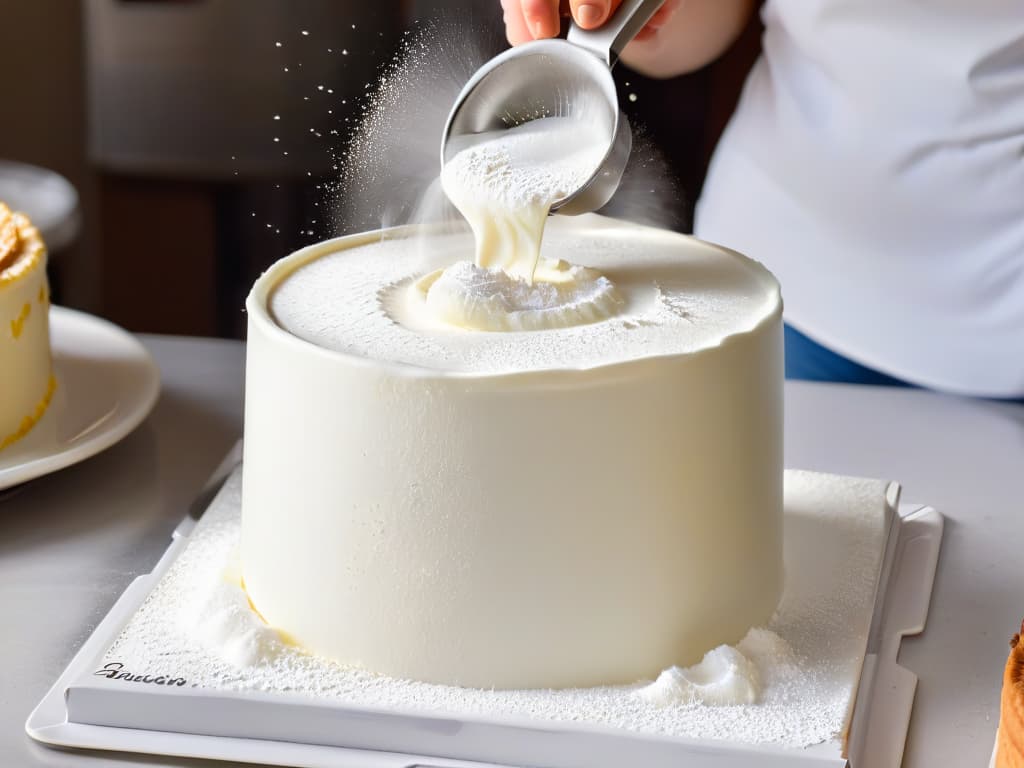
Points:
x=556 y=78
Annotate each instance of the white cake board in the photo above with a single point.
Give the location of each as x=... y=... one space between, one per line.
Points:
x=83 y=711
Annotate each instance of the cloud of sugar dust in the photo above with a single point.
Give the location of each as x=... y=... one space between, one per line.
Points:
x=392 y=160
x=390 y=165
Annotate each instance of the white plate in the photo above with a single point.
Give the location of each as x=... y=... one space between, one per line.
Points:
x=107 y=383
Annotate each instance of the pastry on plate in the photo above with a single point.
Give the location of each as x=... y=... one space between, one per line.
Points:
x=1010 y=742
x=27 y=382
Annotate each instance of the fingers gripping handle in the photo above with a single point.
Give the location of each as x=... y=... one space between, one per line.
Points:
x=607 y=41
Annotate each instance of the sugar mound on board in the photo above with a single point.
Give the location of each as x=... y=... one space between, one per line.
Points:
x=223 y=621
x=727 y=675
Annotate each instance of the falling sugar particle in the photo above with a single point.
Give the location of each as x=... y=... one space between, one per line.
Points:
x=305 y=33
x=632 y=97
x=277 y=138
x=278 y=45
x=319 y=87
x=277 y=117
x=344 y=51
x=286 y=69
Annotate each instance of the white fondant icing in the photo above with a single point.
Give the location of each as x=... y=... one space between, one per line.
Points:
x=578 y=506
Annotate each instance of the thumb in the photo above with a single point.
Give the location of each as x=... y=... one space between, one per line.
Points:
x=591 y=14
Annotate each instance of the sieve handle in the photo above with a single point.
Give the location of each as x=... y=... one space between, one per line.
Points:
x=606 y=42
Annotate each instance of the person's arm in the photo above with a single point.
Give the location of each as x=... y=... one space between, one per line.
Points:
x=683 y=35
x=695 y=35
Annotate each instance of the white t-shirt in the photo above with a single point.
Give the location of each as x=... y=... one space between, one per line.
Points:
x=875 y=163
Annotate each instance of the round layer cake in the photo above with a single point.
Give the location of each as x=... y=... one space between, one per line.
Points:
x=25 y=363
x=572 y=506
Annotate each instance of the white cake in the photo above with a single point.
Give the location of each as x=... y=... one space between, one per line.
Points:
x=569 y=507
x=25 y=364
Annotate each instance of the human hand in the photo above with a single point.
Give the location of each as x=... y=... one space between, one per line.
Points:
x=527 y=20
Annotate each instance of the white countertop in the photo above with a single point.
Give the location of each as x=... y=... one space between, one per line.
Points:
x=70 y=543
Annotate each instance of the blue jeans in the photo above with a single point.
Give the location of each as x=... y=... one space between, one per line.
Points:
x=807 y=359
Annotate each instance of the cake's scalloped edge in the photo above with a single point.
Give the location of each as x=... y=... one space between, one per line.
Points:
x=25 y=264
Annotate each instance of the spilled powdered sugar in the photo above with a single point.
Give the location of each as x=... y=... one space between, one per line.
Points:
x=219 y=616
x=807 y=660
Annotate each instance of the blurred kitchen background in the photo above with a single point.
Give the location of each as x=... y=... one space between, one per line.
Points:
x=161 y=115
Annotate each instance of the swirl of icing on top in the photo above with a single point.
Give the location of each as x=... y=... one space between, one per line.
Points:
x=489 y=299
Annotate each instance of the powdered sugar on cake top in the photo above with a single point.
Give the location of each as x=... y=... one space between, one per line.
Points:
x=678 y=296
